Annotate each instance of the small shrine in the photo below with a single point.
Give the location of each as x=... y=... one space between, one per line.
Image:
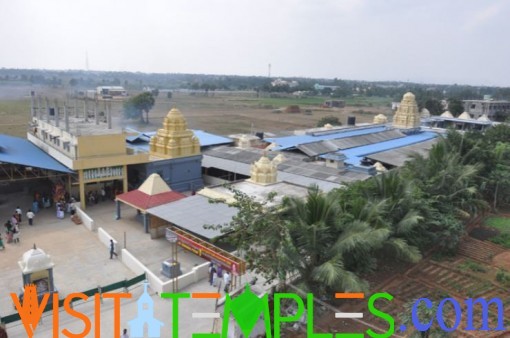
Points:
x=174 y=139
x=380 y=119
x=263 y=171
x=407 y=116
x=37 y=269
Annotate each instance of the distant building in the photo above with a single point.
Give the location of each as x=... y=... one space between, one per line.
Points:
x=333 y=104
x=320 y=87
x=494 y=110
x=110 y=92
x=283 y=83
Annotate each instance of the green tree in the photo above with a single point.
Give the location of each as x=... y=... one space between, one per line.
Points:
x=321 y=240
x=455 y=106
x=435 y=107
x=137 y=105
x=333 y=120
x=388 y=201
x=309 y=237
x=427 y=314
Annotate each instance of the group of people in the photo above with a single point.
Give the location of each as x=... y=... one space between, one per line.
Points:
x=216 y=273
x=105 y=193
x=12 y=226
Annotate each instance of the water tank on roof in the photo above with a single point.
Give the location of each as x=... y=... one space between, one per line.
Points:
x=260 y=134
x=351 y=120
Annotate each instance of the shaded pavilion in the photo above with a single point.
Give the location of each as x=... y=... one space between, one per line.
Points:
x=153 y=192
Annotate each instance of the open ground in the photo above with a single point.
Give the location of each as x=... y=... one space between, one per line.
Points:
x=220 y=113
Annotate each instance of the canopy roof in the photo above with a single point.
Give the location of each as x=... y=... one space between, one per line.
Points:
x=153 y=192
x=20 y=151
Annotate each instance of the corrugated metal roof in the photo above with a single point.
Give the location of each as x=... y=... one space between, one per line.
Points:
x=193 y=212
x=354 y=155
x=208 y=139
x=293 y=169
x=288 y=142
x=20 y=151
x=397 y=157
x=141 y=140
x=327 y=146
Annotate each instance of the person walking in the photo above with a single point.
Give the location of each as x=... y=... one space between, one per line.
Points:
x=30 y=217
x=15 y=234
x=212 y=271
x=18 y=211
x=112 y=249
x=226 y=280
x=124 y=334
x=2 y=246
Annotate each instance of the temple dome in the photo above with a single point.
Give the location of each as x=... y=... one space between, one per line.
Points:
x=263 y=171
x=174 y=113
x=447 y=114
x=465 y=116
x=35 y=260
x=380 y=119
x=483 y=118
x=409 y=96
x=407 y=116
x=174 y=139
x=425 y=113
x=380 y=167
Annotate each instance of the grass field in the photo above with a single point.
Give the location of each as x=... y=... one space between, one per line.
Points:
x=502 y=224
x=221 y=113
x=14 y=117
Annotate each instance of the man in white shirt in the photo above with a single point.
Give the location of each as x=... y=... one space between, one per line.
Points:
x=30 y=216
x=124 y=334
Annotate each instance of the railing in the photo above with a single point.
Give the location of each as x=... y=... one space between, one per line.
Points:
x=125 y=284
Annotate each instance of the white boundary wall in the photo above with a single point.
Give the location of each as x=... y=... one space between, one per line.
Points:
x=196 y=274
x=87 y=221
x=105 y=237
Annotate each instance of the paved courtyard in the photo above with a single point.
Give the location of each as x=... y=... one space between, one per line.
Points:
x=82 y=262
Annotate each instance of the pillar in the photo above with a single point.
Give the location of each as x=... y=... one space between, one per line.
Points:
x=124 y=179
x=145 y=222
x=117 y=210
x=82 y=189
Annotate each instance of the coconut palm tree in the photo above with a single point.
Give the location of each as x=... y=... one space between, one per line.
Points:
x=321 y=239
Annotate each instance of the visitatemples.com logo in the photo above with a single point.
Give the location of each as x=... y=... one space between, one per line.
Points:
x=247 y=310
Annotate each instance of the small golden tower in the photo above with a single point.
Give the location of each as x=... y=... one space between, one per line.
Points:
x=174 y=139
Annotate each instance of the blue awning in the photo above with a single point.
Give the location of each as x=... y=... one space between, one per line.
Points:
x=20 y=151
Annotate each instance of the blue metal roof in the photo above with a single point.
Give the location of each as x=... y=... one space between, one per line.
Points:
x=288 y=142
x=20 y=151
x=354 y=155
x=142 y=139
x=207 y=139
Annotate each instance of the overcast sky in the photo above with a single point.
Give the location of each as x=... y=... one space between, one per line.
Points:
x=430 y=41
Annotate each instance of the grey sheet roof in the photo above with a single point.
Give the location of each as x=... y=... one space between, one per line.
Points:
x=397 y=157
x=327 y=146
x=193 y=212
x=295 y=169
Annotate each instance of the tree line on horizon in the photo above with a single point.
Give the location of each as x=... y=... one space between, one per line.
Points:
x=337 y=88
